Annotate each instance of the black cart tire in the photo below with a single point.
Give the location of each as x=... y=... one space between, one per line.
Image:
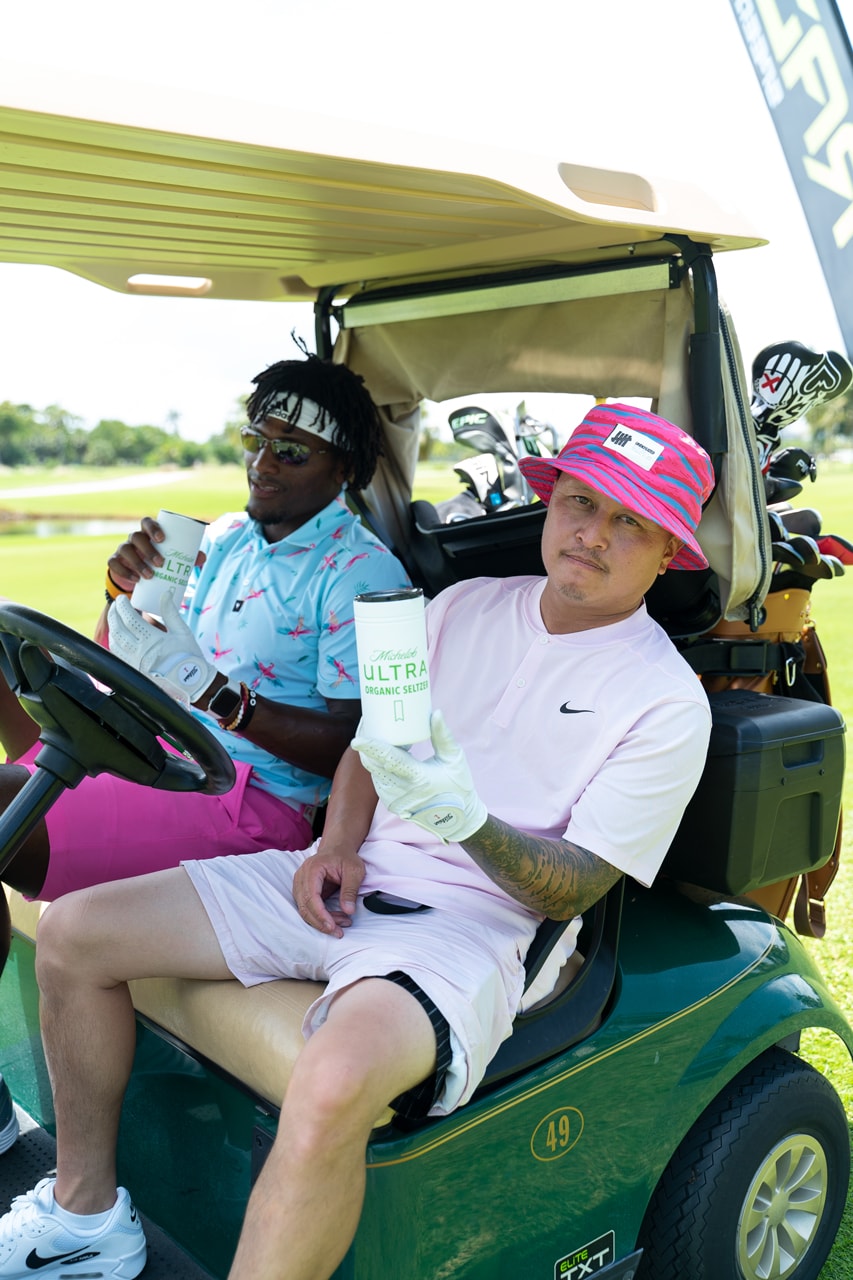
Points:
x=757 y=1188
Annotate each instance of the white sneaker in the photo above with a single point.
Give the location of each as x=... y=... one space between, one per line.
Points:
x=34 y=1242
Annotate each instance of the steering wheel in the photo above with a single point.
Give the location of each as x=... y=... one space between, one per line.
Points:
x=90 y=730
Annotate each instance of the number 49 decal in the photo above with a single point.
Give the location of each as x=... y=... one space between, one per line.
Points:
x=556 y=1134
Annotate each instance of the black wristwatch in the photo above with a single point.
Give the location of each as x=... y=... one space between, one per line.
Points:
x=226 y=702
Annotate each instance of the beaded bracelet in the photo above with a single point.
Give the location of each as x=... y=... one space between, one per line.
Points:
x=230 y=725
x=113 y=590
x=251 y=703
x=248 y=702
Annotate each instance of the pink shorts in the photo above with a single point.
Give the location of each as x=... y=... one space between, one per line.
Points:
x=108 y=829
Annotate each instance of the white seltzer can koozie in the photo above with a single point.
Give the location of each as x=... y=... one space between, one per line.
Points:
x=179 y=551
x=390 y=636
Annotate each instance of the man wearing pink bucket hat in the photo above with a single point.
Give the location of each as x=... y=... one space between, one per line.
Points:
x=575 y=736
x=653 y=468
x=624 y=477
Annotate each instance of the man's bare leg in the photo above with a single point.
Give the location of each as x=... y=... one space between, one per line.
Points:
x=89 y=944
x=304 y=1210
x=18 y=732
x=27 y=870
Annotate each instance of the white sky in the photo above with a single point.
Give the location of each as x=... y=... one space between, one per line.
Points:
x=663 y=87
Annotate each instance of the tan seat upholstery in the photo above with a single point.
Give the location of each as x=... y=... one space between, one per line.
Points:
x=25 y=915
x=255 y=1034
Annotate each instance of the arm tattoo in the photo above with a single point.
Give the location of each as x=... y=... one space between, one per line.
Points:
x=554 y=877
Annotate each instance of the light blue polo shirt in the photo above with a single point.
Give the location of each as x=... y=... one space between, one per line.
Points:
x=279 y=616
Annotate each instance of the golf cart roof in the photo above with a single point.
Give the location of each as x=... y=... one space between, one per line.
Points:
x=111 y=180
x=438 y=270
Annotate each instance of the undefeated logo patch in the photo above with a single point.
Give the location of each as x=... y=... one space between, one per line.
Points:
x=640 y=449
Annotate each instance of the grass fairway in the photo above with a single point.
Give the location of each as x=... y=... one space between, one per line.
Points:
x=121 y=493
x=63 y=576
x=832 y=609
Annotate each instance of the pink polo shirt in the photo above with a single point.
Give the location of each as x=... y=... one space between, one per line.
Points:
x=599 y=736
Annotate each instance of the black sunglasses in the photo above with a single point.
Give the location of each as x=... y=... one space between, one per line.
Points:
x=291 y=452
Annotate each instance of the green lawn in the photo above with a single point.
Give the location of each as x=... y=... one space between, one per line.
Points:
x=63 y=576
x=832 y=606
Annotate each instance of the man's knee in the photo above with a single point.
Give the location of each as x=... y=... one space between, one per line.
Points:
x=64 y=943
x=13 y=778
x=331 y=1103
x=329 y=1088
x=27 y=870
x=377 y=1043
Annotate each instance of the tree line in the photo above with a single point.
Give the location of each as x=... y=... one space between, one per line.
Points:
x=54 y=437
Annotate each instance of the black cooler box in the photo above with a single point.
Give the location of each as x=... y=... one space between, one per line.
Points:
x=768 y=803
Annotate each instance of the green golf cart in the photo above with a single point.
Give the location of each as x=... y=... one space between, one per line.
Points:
x=651 y=1117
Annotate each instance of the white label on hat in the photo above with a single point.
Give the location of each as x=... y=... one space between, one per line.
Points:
x=636 y=447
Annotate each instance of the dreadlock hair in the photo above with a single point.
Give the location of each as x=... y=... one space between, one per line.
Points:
x=357 y=435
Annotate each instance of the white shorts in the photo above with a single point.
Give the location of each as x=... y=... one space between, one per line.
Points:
x=473 y=974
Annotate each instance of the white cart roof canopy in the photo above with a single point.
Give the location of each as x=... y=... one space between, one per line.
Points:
x=112 y=180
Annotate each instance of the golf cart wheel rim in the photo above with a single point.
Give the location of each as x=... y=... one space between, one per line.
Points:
x=783 y=1209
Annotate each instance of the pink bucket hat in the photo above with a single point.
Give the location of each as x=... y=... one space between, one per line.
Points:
x=641 y=461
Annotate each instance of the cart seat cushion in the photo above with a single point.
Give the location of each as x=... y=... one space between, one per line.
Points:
x=255 y=1034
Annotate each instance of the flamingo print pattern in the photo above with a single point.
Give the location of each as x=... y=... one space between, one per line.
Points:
x=279 y=616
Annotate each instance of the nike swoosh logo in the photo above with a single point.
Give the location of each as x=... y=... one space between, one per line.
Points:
x=35 y=1260
x=566 y=710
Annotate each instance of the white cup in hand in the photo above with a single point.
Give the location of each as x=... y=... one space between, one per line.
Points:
x=179 y=550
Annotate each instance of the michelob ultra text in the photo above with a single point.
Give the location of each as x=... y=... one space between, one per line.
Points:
x=390 y=635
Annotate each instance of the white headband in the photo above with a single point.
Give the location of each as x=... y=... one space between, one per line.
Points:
x=311 y=417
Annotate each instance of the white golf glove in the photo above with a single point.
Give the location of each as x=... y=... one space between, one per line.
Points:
x=438 y=794
x=171 y=658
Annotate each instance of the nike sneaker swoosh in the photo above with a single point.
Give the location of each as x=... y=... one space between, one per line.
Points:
x=35 y=1261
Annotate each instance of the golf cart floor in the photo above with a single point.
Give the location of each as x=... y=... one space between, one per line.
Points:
x=34 y=1156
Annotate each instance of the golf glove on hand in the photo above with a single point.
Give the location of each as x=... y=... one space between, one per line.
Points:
x=438 y=794
x=171 y=658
